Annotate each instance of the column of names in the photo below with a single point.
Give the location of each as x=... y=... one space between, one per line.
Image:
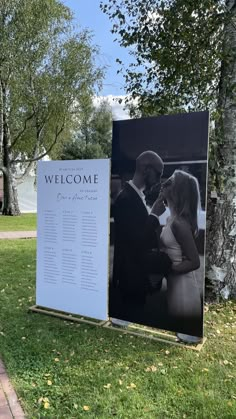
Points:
x=89 y=243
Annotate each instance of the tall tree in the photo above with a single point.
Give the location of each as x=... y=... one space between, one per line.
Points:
x=92 y=139
x=176 y=48
x=46 y=69
x=184 y=58
x=101 y=124
x=222 y=213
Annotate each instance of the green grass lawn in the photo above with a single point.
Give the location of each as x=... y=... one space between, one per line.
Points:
x=23 y=222
x=65 y=370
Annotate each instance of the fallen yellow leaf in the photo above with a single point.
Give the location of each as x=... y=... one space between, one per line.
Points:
x=132 y=385
x=56 y=359
x=152 y=368
x=86 y=408
x=49 y=382
x=46 y=405
x=107 y=385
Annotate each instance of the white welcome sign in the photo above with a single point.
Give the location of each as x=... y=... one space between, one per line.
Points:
x=73 y=236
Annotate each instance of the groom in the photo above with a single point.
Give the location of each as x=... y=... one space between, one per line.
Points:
x=136 y=235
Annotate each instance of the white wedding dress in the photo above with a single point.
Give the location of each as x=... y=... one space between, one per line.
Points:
x=183 y=293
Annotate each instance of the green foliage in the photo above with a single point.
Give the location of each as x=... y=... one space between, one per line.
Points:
x=47 y=67
x=101 y=126
x=79 y=150
x=92 y=139
x=176 y=47
x=115 y=375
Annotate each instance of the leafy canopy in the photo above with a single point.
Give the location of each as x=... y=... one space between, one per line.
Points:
x=46 y=68
x=93 y=136
x=176 y=47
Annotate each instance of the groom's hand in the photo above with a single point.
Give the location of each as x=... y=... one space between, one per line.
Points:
x=152 y=194
x=158 y=206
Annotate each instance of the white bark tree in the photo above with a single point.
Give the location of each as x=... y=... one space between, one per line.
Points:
x=221 y=240
x=45 y=69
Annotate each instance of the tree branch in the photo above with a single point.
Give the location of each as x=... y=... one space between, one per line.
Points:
x=29 y=166
x=19 y=135
x=46 y=152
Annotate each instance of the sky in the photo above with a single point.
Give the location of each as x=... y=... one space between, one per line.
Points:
x=87 y=14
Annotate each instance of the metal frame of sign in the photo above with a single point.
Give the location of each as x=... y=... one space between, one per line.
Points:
x=135 y=330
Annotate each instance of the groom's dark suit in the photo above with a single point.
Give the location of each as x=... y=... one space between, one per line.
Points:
x=136 y=233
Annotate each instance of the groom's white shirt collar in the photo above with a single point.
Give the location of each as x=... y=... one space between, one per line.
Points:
x=139 y=191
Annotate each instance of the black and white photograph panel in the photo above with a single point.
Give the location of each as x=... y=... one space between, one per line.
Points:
x=158 y=221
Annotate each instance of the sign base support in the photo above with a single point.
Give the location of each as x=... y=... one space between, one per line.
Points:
x=154 y=334
x=66 y=316
x=132 y=329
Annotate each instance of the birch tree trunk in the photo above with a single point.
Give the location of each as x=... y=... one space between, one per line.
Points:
x=1 y=123
x=221 y=237
x=10 y=197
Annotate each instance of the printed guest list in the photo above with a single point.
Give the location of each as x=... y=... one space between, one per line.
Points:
x=73 y=236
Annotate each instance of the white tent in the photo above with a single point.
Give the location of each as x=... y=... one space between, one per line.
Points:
x=27 y=195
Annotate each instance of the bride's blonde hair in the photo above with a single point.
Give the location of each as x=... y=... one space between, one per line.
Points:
x=185 y=196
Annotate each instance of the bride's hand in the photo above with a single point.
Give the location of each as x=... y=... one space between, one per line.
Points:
x=159 y=206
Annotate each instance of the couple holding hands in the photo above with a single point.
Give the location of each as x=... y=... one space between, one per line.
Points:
x=142 y=248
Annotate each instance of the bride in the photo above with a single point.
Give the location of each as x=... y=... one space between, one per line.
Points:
x=181 y=194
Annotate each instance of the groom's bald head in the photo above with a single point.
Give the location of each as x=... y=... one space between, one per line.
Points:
x=149 y=159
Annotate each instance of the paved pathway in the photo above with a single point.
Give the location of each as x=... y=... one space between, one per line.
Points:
x=17 y=234
x=10 y=407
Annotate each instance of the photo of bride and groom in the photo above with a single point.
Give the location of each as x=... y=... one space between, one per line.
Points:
x=157 y=276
